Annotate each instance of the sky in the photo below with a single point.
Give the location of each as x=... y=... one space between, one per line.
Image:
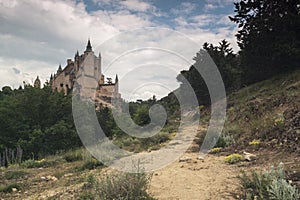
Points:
x=146 y=42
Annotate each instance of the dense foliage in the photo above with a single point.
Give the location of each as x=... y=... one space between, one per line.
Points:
x=37 y=120
x=228 y=65
x=268 y=37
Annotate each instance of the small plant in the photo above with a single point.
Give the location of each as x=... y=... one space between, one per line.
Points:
x=125 y=186
x=254 y=142
x=40 y=163
x=279 y=121
x=215 y=150
x=15 y=174
x=73 y=155
x=233 y=158
x=90 y=164
x=225 y=140
x=268 y=185
x=9 y=188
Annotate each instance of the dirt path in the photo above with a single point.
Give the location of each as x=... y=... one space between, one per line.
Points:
x=195 y=179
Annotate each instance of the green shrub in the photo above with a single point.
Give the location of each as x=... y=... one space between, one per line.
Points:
x=254 y=142
x=281 y=189
x=155 y=140
x=74 y=155
x=15 y=174
x=233 y=158
x=215 y=150
x=225 y=140
x=125 y=186
x=268 y=185
x=9 y=188
x=90 y=164
x=40 y=163
x=87 y=196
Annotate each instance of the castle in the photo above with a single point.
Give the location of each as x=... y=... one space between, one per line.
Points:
x=85 y=74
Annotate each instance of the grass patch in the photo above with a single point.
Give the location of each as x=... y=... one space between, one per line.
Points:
x=74 y=155
x=125 y=186
x=14 y=174
x=93 y=163
x=41 y=163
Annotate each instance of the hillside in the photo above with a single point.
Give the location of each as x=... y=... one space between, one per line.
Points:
x=263 y=119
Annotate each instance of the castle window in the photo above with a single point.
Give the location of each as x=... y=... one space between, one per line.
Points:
x=61 y=85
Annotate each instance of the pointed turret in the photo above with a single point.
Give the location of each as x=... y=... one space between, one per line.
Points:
x=59 y=70
x=117 y=79
x=89 y=46
x=37 y=82
x=77 y=54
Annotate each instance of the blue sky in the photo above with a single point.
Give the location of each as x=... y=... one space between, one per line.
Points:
x=36 y=36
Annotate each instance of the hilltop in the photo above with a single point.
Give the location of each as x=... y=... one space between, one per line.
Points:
x=262 y=119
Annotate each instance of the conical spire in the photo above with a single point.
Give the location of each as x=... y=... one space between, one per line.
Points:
x=117 y=79
x=37 y=82
x=89 y=46
x=59 y=69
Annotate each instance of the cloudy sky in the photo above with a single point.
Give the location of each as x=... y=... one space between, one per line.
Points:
x=36 y=36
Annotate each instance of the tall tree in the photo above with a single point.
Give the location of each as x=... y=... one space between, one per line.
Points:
x=268 y=37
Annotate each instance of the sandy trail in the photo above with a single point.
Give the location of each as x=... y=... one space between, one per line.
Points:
x=195 y=179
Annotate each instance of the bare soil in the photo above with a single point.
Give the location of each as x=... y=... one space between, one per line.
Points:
x=210 y=178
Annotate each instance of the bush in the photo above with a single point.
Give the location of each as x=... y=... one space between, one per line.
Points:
x=254 y=142
x=125 y=186
x=224 y=141
x=215 y=150
x=40 y=163
x=155 y=140
x=281 y=189
x=233 y=158
x=268 y=185
x=9 y=188
x=74 y=155
x=90 y=164
x=15 y=174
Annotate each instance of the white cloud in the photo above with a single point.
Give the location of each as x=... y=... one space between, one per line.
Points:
x=36 y=36
x=210 y=6
x=184 y=8
x=214 y=4
x=136 y=5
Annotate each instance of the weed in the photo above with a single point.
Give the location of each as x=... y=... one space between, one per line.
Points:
x=233 y=158
x=215 y=150
x=41 y=163
x=90 y=164
x=74 y=155
x=15 y=174
x=9 y=188
x=125 y=186
x=254 y=142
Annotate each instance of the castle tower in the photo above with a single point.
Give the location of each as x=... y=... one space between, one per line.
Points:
x=88 y=47
x=37 y=82
x=76 y=63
